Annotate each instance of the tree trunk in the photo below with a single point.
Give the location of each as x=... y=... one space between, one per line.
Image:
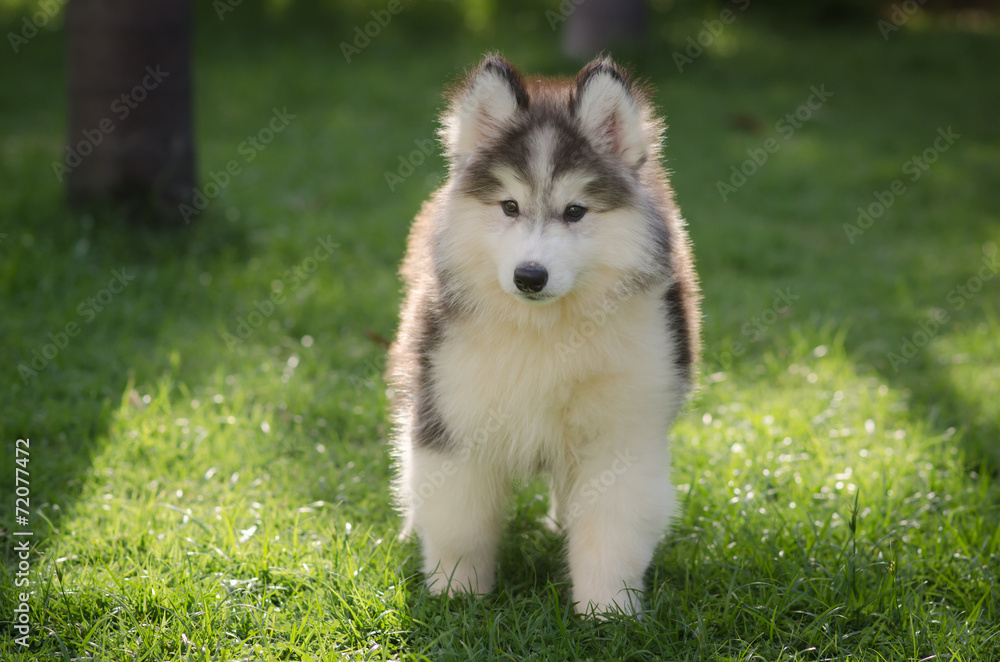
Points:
x=130 y=119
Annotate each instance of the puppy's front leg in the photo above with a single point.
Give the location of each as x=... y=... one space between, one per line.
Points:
x=457 y=509
x=620 y=505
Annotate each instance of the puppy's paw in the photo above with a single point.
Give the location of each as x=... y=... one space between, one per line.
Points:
x=627 y=602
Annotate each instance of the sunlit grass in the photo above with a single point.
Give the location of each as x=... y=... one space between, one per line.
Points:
x=198 y=499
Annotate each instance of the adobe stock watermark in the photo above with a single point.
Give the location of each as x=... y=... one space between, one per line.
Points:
x=372 y=29
x=290 y=281
x=566 y=9
x=47 y=9
x=223 y=7
x=916 y=166
x=756 y=328
x=595 y=488
x=958 y=297
x=122 y=107
x=580 y=335
x=433 y=480
x=249 y=149
x=409 y=164
x=21 y=619
x=899 y=15
x=697 y=44
x=88 y=309
x=786 y=127
x=373 y=369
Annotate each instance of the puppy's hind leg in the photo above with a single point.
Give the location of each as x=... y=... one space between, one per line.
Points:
x=458 y=512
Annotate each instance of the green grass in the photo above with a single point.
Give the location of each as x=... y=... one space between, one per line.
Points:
x=200 y=502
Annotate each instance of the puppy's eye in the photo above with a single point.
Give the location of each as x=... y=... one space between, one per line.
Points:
x=574 y=212
x=509 y=207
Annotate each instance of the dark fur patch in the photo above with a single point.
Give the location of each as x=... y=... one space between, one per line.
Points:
x=480 y=183
x=496 y=64
x=677 y=315
x=597 y=67
x=609 y=191
x=573 y=152
x=429 y=430
x=510 y=150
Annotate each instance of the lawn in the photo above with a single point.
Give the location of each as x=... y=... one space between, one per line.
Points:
x=208 y=457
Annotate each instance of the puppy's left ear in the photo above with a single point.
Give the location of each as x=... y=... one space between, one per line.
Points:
x=610 y=111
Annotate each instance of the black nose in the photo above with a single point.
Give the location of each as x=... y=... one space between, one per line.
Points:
x=530 y=277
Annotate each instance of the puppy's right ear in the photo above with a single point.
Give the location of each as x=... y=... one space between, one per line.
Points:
x=480 y=108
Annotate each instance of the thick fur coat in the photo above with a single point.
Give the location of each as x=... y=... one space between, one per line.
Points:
x=550 y=325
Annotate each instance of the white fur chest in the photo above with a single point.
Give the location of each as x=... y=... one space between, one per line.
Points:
x=526 y=398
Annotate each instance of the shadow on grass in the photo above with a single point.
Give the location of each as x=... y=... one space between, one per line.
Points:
x=785 y=229
x=107 y=308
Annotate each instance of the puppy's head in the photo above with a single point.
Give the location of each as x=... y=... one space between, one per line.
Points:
x=547 y=191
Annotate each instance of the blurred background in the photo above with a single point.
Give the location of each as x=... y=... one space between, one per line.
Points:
x=202 y=210
x=257 y=129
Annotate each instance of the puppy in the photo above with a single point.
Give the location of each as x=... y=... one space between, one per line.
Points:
x=550 y=325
